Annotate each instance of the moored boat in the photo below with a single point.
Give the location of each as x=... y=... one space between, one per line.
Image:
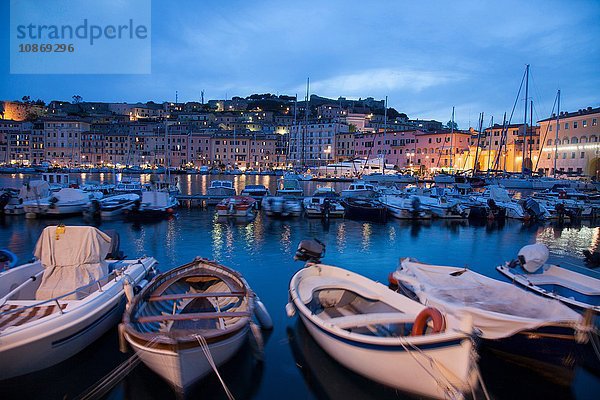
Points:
x=190 y=320
x=577 y=290
x=364 y=209
x=282 y=207
x=219 y=190
x=380 y=334
x=116 y=205
x=236 y=206
x=66 y=201
x=537 y=331
x=153 y=205
x=54 y=307
x=324 y=203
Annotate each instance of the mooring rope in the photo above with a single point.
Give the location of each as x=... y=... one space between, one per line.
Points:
x=206 y=350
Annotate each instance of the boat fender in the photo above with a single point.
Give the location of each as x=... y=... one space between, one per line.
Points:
x=257 y=342
x=129 y=292
x=122 y=341
x=142 y=284
x=262 y=315
x=429 y=313
x=290 y=310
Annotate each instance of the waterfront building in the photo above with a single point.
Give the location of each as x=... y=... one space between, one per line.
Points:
x=344 y=146
x=8 y=129
x=577 y=149
x=62 y=140
x=313 y=144
x=245 y=150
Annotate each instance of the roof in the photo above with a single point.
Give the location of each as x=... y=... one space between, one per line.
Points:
x=585 y=111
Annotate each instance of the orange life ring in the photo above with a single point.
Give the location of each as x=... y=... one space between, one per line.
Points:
x=429 y=313
x=391 y=280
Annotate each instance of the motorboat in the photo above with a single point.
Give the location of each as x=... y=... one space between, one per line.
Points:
x=32 y=191
x=67 y=201
x=105 y=188
x=395 y=178
x=255 y=191
x=115 y=205
x=190 y=320
x=324 y=203
x=58 y=180
x=359 y=189
x=401 y=207
x=153 y=205
x=444 y=178
x=289 y=186
x=236 y=206
x=364 y=209
x=219 y=190
x=54 y=307
x=282 y=206
x=530 y=271
x=439 y=205
x=525 y=209
x=380 y=334
x=521 y=325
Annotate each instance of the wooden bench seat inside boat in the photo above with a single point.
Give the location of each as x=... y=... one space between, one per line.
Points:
x=232 y=285
x=195 y=295
x=359 y=320
x=311 y=284
x=191 y=316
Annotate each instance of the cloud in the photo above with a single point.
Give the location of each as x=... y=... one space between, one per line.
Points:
x=380 y=80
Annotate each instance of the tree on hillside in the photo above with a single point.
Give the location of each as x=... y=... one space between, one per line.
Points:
x=77 y=99
x=26 y=99
x=450 y=125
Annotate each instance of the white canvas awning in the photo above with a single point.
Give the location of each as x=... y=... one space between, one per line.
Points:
x=71 y=259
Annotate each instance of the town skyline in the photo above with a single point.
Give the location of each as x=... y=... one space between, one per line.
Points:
x=426 y=60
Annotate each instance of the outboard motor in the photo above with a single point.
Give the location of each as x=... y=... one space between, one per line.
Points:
x=415 y=203
x=531 y=257
x=533 y=208
x=4 y=199
x=115 y=252
x=310 y=251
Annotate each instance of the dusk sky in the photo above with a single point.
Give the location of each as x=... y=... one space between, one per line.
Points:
x=425 y=56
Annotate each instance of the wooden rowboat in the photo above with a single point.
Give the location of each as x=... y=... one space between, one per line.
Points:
x=189 y=320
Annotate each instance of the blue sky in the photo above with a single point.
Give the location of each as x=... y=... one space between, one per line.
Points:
x=426 y=56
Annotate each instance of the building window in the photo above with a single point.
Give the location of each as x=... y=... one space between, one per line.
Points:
x=566 y=125
x=549 y=142
x=584 y=123
x=594 y=122
x=575 y=125
x=550 y=128
x=582 y=154
x=573 y=155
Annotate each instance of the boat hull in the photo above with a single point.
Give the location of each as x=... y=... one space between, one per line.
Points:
x=393 y=365
x=182 y=368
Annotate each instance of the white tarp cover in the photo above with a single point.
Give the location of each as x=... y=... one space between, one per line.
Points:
x=535 y=256
x=498 y=193
x=70 y=195
x=73 y=259
x=34 y=190
x=499 y=309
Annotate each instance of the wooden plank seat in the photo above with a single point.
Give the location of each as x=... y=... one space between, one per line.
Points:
x=355 y=321
x=195 y=295
x=195 y=276
x=191 y=316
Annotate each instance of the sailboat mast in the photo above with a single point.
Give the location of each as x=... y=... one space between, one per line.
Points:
x=296 y=127
x=475 y=163
x=304 y=131
x=490 y=145
x=556 y=135
x=531 y=132
x=384 y=133
x=451 y=139
x=525 y=119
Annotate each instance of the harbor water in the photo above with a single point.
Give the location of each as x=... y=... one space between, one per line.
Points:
x=294 y=367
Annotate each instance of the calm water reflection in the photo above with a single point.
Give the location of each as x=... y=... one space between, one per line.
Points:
x=294 y=367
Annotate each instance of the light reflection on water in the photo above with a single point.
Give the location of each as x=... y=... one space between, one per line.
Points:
x=262 y=251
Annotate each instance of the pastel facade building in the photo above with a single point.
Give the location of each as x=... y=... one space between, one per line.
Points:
x=577 y=149
x=62 y=140
x=313 y=144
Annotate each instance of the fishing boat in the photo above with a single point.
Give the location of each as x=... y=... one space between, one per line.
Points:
x=282 y=207
x=236 y=206
x=129 y=184
x=520 y=325
x=219 y=190
x=54 y=307
x=67 y=201
x=153 y=205
x=359 y=189
x=324 y=203
x=529 y=270
x=115 y=205
x=381 y=334
x=190 y=320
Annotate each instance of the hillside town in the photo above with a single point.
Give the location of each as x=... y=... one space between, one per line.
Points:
x=265 y=132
